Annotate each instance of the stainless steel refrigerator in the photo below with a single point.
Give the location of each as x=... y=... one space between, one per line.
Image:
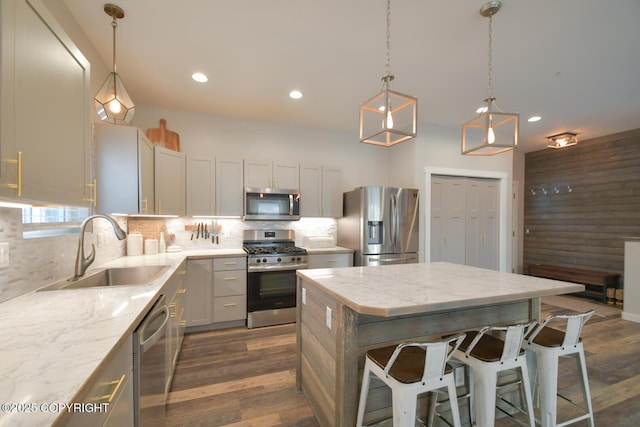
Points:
x=381 y=225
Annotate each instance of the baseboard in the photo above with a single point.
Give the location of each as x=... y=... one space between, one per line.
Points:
x=631 y=316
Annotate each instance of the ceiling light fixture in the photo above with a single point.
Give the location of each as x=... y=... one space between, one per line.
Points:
x=200 y=77
x=534 y=119
x=562 y=140
x=389 y=117
x=492 y=131
x=112 y=101
x=295 y=94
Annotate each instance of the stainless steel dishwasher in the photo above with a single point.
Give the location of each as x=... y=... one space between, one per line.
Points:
x=150 y=370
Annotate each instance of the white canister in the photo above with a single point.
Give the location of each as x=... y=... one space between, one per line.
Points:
x=134 y=244
x=151 y=247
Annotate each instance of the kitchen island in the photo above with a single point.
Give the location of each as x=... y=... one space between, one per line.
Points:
x=341 y=313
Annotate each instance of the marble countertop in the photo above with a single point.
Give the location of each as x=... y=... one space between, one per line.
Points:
x=53 y=341
x=394 y=290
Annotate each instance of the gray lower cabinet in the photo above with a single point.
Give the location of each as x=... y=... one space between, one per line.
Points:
x=110 y=388
x=330 y=260
x=216 y=292
x=199 y=285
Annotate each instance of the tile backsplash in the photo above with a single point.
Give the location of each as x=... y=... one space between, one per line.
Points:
x=36 y=262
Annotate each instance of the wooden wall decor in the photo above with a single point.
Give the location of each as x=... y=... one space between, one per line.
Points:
x=581 y=201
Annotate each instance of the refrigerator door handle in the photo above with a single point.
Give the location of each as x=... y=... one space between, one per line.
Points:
x=394 y=220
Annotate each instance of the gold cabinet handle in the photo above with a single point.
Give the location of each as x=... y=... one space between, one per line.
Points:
x=182 y=291
x=109 y=397
x=144 y=205
x=94 y=199
x=230 y=278
x=18 y=162
x=230 y=304
x=230 y=263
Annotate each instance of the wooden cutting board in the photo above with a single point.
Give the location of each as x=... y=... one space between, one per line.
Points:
x=164 y=137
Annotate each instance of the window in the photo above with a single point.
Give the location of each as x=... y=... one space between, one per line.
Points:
x=46 y=221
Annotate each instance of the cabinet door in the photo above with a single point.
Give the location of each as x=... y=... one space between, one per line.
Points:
x=146 y=197
x=198 y=283
x=200 y=186
x=45 y=107
x=121 y=410
x=286 y=175
x=124 y=169
x=330 y=260
x=257 y=174
x=331 y=192
x=229 y=190
x=310 y=191
x=169 y=173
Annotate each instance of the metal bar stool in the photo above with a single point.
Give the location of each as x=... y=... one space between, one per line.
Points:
x=410 y=369
x=548 y=345
x=488 y=357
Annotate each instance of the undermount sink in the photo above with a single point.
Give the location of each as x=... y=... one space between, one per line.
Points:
x=119 y=276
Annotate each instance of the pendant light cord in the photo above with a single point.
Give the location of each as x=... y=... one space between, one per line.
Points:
x=114 y=24
x=490 y=66
x=387 y=66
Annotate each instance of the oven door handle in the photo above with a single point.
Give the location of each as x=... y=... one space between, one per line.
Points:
x=256 y=269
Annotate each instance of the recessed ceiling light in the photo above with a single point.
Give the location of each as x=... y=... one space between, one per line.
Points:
x=199 y=77
x=295 y=94
x=533 y=119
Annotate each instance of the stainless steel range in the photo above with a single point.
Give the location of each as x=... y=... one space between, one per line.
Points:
x=272 y=261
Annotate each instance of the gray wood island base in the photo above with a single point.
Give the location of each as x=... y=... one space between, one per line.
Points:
x=343 y=312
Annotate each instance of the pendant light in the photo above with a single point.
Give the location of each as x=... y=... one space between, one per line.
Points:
x=492 y=131
x=389 y=117
x=112 y=101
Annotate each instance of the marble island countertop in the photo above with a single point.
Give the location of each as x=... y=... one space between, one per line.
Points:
x=53 y=341
x=395 y=290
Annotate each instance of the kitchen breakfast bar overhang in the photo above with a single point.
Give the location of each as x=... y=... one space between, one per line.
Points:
x=343 y=312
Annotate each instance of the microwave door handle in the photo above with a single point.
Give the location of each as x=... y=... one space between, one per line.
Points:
x=290 y=204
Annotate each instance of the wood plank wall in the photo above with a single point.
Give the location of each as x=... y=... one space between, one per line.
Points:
x=592 y=202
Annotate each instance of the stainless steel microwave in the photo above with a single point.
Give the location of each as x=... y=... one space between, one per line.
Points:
x=269 y=204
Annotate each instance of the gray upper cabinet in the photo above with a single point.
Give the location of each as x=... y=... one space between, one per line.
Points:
x=320 y=191
x=201 y=185
x=170 y=185
x=266 y=174
x=229 y=192
x=45 y=129
x=124 y=170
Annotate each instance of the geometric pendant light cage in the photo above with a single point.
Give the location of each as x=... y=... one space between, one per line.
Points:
x=389 y=117
x=112 y=102
x=492 y=131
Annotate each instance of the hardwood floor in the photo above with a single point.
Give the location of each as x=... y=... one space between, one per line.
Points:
x=240 y=377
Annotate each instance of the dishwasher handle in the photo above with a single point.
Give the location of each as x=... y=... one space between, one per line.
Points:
x=153 y=339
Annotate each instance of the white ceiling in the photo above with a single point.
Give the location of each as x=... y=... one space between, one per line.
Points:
x=574 y=62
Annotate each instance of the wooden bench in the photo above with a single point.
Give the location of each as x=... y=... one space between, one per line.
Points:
x=596 y=282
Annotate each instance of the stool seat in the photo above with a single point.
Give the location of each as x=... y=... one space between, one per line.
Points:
x=409 y=365
x=550 y=337
x=411 y=369
x=488 y=349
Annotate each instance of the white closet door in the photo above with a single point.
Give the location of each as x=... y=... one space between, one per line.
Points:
x=464 y=221
x=481 y=223
x=447 y=219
